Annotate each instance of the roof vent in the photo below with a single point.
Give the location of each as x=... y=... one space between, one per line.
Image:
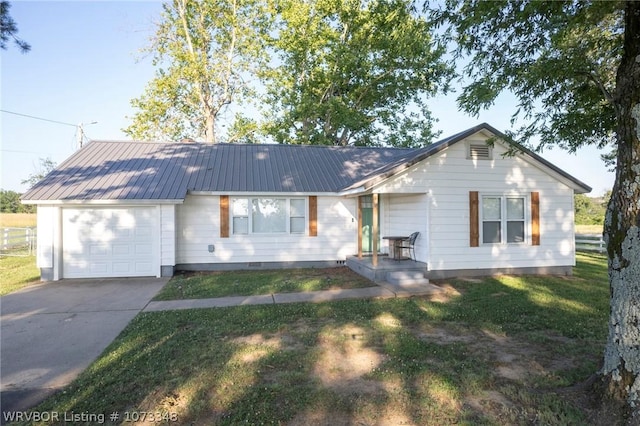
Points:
x=479 y=151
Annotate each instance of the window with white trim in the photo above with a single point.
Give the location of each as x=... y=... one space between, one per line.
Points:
x=268 y=215
x=503 y=219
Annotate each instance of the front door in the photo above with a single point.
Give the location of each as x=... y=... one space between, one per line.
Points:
x=367 y=223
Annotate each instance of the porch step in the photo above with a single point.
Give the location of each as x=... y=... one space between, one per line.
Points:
x=406 y=277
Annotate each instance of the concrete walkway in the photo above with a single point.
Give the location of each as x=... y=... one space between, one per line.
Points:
x=382 y=291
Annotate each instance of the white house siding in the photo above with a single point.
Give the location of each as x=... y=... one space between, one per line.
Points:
x=47 y=222
x=198 y=226
x=404 y=214
x=448 y=177
x=167 y=237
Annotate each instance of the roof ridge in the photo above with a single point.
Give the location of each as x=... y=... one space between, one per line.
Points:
x=291 y=145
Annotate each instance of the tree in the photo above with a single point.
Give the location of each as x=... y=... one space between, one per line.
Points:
x=353 y=72
x=205 y=51
x=9 y=29
x=588 y=211
x=10 y=202
x=46 y=166
x=573 y=67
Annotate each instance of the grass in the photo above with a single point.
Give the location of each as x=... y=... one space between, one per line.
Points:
x=17 y=272
x=17 y=220
x=589 y=229
x=249 y=283
x=506 y=350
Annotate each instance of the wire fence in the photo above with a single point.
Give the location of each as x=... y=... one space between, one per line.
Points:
x=18 y=241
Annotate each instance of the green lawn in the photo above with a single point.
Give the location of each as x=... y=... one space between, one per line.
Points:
x=17 y=272
x=248 y=283
x=503 y=350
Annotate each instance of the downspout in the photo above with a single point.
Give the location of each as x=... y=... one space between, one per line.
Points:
x=374 y=259
x=359 y=227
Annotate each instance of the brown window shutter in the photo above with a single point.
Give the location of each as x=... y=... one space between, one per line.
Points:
x=224 y=216
x=535 y=218
x=313 y=216
x=474 y=235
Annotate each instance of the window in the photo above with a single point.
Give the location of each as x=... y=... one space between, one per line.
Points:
x=503 y=219
x=268 y=215
x=240 y=215
x=297 y=217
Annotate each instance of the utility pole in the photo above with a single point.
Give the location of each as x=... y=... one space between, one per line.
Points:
x=80 y=133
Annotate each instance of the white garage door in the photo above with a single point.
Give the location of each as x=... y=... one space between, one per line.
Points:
x=109 y=242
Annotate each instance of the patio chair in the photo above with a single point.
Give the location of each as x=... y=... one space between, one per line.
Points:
x=410 y=245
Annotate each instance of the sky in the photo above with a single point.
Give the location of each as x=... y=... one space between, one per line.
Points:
x=86 y=64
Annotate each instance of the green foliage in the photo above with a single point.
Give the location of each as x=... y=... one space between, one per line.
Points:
x=558 y=58
x=205 y=51
x=46 y=166
x=9 y=29
x=10 y=203
x=588 y=211
x=353 y=72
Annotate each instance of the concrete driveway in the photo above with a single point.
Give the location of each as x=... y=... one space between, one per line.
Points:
x=51 y=332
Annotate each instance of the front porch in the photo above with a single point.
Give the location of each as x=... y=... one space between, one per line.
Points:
x=385 y=267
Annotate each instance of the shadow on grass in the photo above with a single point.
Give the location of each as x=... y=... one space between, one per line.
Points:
x=198 y=285
x=493 y=354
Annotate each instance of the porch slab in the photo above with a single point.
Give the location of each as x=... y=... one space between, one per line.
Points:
x=364 y=266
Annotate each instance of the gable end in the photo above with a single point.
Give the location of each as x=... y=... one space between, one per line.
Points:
x=479 y=151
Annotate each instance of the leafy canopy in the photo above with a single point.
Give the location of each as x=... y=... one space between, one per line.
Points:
x=354 y=72
x=558 y=58
x=205 y=51
x=9 y=29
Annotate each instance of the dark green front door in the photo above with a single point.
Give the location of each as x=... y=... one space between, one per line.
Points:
x=367 y=224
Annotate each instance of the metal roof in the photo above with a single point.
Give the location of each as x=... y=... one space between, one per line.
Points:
x=167 y=171
x=138 y=171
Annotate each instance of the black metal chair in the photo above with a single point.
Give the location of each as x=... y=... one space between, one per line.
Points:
x=410 y=245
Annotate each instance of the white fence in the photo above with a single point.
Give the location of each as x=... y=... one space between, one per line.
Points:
x=590 y=242
x=18 y=241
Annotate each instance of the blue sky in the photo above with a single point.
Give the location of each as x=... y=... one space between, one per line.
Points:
x=85 y=65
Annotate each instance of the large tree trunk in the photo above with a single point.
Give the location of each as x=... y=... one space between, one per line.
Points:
x=621 y=368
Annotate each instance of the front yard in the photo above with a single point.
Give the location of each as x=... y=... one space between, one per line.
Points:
x=17 y=272
x=200 y=285
x=508 y=350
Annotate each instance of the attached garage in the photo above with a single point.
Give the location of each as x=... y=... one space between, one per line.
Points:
x=109 y=242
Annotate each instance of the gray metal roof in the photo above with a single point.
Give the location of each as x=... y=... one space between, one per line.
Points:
x=168 y=171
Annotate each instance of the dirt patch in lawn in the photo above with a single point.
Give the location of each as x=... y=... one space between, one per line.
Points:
x=347 y=358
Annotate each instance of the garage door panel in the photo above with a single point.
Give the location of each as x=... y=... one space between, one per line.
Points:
x=98 y=250
x=144 y=231
x=123 y=233
x=143 y=268
x=143 y=248
x=109 y=242
x=121 y=268
x=119 y=249
x=99 y=269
